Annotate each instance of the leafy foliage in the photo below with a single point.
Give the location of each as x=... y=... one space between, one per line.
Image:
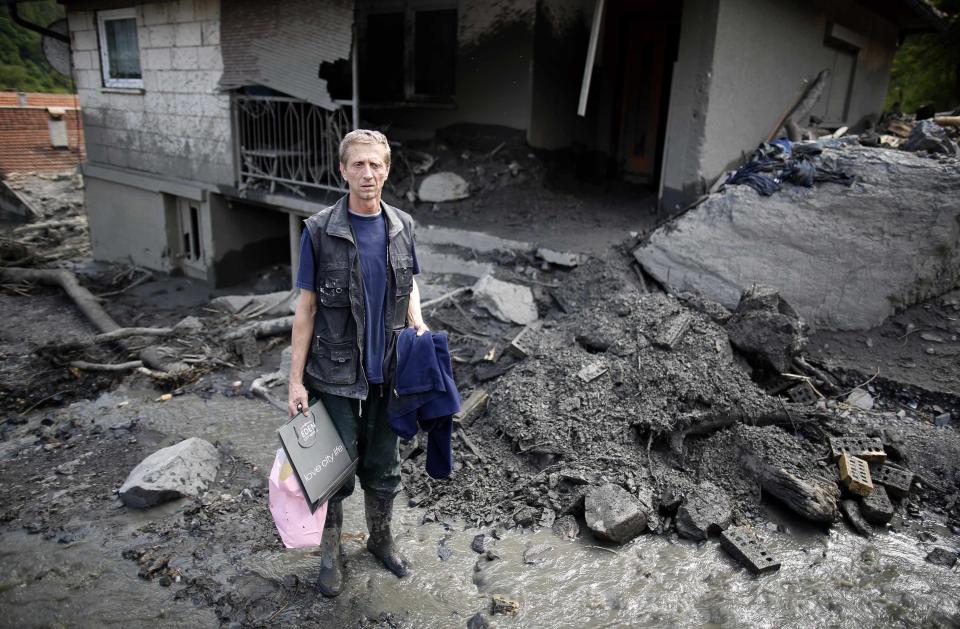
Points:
x=23 y=67
x=926 y=69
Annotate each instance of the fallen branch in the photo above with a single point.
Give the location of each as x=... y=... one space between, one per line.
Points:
x=85 y=366
x=467 y=442
x=77 y=221
x=108 y=337
x=260 y=329
x=88 y=304
x=814 y=500
x=947 y=121
x=442 y=298
x=137 y=282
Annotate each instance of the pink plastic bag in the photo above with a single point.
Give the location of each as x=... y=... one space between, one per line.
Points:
x=298 y=527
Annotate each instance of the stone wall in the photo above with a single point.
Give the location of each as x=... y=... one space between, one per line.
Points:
x=178 y=125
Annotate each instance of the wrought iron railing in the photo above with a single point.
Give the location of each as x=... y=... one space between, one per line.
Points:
x=286 y=143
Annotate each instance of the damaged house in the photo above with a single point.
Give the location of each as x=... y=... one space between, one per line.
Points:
x=212 y=126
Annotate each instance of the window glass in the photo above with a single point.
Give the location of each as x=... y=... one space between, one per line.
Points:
x=435 y=34
x=123 y=50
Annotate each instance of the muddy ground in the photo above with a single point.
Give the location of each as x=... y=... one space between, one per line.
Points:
x=67 y=442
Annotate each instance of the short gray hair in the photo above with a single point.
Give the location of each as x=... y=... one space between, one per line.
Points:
x=363 y=136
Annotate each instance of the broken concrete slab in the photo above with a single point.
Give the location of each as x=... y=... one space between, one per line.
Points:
x=705 y=511
x=613 y=513
x=508 y=302
x=877 y=508
x=183 y=469
x=844 y=257
x=672 y=332
x=442 y=187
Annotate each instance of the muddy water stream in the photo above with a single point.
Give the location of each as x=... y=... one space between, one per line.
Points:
x=828 y=578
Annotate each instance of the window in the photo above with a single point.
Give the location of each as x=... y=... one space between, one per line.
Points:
x=408 y=52
x=119 y=48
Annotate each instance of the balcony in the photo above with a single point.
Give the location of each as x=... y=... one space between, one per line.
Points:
x=286 y=145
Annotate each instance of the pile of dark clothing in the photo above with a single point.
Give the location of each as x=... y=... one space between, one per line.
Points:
x=782 y=160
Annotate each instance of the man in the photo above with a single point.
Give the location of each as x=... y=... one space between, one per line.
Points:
x=357 y=291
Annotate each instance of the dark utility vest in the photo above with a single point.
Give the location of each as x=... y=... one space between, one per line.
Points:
x=335 y=362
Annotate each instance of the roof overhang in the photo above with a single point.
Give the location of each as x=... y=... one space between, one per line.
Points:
x=910 y=16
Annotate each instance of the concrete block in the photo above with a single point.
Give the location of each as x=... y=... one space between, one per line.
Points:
x=706 y=510
x=184 y=469
x=160 y=36
x=613 y=513
x=183 y=11
x=855 y=474
x=189 y=34
x=869 y=449
x=672 y=333
x=744 y=546
x=84 y=40
x=896 y=481
x=877 y=508
x=80 y=21
x=156 y=59
x=508 y=302
x=803 y=393
x=185 y=58
x=211 y=33
x=209 y=58
x=155 y=13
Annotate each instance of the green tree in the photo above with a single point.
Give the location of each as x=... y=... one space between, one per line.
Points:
x=23 y=67
x=926 y=68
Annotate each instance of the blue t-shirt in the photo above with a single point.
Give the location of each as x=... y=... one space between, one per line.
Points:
x=370 y=234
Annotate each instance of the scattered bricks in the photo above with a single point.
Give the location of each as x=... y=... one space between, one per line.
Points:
x=672 y=334
x=851 y=509
x=803 y=393
x=744 y=546
x=869 y=449
x=877 y=508
x=896 y=481
x=504 y=605
x=855 y=474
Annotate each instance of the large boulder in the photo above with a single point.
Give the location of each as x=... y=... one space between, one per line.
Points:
x=613 y=513
x=705 y=511
x=844 y=257
x=183 y=469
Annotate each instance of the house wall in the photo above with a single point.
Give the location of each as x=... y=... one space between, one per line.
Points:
x=128 y=224
x=493 y=69
x=782 y=44
x=178 y=125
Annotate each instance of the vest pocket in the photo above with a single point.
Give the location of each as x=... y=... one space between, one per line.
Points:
x=337 y=362
x=403 y=274
x=333 y=286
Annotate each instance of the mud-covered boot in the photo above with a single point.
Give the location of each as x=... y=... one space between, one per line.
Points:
x=330 y=579
x=379 y=513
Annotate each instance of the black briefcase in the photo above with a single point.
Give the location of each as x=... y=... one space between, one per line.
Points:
x=317 y=454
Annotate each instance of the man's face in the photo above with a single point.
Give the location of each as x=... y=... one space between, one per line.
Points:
x=365 y=170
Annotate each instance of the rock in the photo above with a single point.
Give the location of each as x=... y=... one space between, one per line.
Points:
x=478 y=621
x=480 y=543
x=613 y=514
x=706 y=510
x=877 y=508
x=276 y=304
x=942 y=557
x=184 y=469
x=843 y=257
x=766 y=329
x=535 y=554
x=566 y=527
x=592 y=371
x=232 y=304
x=861 y=399
x=504 y=605
x=851 y=510
x=441 y=187
x=525 y=517
x=929 y=136
x=511 y=303
x=943 y=419
x=564 y=259
x=189 y=324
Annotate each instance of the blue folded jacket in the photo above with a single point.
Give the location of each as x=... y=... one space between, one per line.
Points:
x=425 y=396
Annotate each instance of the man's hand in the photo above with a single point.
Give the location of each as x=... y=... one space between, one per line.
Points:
x=420 y=327
x=297 y=399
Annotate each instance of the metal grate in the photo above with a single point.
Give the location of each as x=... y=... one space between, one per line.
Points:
x=287 y=143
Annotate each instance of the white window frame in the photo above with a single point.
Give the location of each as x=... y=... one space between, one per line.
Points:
x=102 y=18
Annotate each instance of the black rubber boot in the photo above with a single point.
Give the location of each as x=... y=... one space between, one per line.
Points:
x=379 y=513
x=330 y=579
